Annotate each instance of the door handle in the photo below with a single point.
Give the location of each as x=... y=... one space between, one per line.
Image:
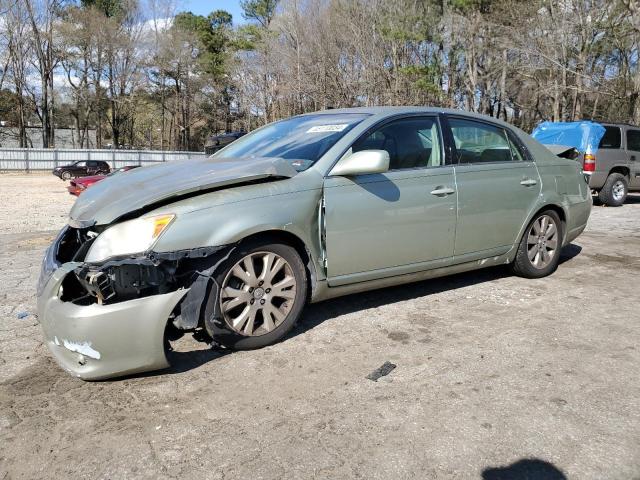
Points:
x=528 y=182
x=442 y=191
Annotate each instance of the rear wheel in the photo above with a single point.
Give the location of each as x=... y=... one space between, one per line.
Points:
x=539 y=250
x=615 y=189
x=262 y=291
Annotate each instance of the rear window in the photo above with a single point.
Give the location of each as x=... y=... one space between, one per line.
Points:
x=612 y=138
x=478 y=142
x=633 y=140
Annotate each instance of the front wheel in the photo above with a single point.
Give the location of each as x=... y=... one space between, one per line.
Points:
x=66 y=176
x=262 y=291
x=538 y=253
x=614 y=191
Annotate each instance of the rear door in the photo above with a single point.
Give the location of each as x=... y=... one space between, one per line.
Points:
x=610 y=154
x=397 y=222
x=92 y=167
x=633 y=151
x=498 y=186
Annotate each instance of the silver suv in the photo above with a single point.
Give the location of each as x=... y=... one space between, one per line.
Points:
x=616 y=168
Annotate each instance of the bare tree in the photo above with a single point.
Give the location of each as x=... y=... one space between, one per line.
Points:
x=18 y=48
x=42 y=15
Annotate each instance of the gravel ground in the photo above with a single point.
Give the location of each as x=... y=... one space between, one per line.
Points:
x=497 y=377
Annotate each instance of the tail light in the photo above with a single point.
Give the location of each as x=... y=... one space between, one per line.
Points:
x=589 y=164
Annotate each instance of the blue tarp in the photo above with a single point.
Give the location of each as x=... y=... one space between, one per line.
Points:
x=584 y=136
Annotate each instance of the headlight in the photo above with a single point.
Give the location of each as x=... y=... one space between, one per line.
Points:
x=126 y=238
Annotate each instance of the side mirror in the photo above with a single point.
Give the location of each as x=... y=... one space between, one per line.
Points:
x=361 y=163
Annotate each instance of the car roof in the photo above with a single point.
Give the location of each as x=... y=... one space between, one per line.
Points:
x=398 y=110
x=386 y=110
x=612 y=124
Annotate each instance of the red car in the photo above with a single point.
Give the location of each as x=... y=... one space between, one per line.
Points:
x=79 y=185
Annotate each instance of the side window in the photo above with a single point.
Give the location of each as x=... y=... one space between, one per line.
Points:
x=611 y=139
x=478 y=142
x=81 y=164
x=633 y=140
x=516 y=150
x=411 y=143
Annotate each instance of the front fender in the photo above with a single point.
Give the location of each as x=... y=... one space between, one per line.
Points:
x=293 y=212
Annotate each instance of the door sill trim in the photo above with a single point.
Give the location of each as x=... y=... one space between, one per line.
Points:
x=324 y=291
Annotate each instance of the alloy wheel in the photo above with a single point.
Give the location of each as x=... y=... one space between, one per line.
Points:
x=258 y=293
x=542 y=241
x=618 y=191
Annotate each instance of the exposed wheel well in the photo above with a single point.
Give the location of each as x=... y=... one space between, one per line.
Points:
x=268 y=236
x=622 y=170
x=556 y=209
x=287 y=238
x=560 y=213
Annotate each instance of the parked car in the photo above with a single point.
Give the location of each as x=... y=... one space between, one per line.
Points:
x=609 y=153
x=218 y=142
x=302 y=210
x=77 y=186
x=82 y=168
x=616 y=166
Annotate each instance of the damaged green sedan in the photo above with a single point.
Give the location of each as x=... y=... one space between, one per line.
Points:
x=301 y=210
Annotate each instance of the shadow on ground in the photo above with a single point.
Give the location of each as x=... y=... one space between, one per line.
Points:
x=525 y=469
x=316 y=314
x=631 y=199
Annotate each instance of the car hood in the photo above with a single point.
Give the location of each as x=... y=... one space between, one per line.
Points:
x=136 y=189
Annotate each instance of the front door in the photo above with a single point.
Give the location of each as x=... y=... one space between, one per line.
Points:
x=497 y=188
x=79 y=169
x=401 y=221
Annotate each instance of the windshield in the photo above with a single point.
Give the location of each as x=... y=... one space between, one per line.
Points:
x=302 y=140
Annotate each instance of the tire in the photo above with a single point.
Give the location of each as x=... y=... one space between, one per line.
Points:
x=65 y=176
x=615 y=190
x=278 y=315
x=540 y=240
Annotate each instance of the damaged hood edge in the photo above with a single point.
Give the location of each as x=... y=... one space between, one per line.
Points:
x=136 y=189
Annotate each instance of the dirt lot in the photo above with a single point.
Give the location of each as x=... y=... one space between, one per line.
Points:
x=497 y=377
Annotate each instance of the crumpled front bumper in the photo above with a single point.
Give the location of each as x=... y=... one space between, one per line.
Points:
x=95 y=341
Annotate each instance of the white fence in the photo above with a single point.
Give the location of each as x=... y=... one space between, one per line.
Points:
x=28 y=159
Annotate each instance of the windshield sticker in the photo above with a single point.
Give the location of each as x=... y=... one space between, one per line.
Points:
x=328 y=128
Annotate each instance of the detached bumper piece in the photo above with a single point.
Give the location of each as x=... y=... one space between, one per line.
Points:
x=109 y=319
x=95 y=342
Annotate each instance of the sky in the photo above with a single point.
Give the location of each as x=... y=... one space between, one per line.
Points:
x=204 y=7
